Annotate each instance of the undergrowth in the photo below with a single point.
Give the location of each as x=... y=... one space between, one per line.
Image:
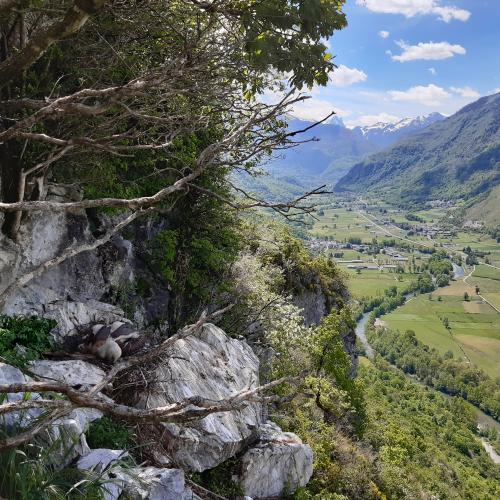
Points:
x=24 y=339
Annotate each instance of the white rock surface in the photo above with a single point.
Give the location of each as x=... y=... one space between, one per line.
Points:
x=277 y=465
x=72 y=372
x=12 y=375
x=214 y=366
x=67 y=436
x=102 y=459
x=152 y=483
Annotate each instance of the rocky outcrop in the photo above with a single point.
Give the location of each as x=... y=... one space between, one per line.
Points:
x=276 y=465
x=213 y=366
x=66 y=436
x=77 y=292
x=135 y=483
x=73 y=372
x=315 y=305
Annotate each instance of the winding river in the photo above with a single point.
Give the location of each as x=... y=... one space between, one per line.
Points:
x=458 y=271
x=361 y=334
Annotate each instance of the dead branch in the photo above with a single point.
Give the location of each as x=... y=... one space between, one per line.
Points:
x=208 y=157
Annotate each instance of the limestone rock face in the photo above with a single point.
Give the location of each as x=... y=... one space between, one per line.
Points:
x=67 y=436
x=315 y=305
x=277 y=465
x=213 y=366
x=152 y=483
x=72 y=372
x=101 y=461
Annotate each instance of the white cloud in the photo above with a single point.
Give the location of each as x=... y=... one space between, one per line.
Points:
x=431 y=95
x=344 y=76
x=411 y=8
x=383 y=34
x=430 y=51
x=466 y=92
x=367 y=120
x=447 y=14
x=316 y=109
x=432 y=71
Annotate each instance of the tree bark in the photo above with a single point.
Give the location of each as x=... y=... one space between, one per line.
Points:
x=11 y=180
x=75 y=18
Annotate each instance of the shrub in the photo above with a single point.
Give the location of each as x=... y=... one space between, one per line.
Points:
x=107 y=433
x=24 y=339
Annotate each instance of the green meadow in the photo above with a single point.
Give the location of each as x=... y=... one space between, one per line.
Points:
x=473 y=329
x=369 y=284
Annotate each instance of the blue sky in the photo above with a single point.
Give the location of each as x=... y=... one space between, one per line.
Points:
x=404 y=58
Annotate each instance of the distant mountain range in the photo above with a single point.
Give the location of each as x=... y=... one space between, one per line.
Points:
x=383 y=134
x=458 y=157
x=332 y=149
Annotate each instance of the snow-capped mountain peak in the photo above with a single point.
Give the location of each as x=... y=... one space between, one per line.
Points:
x=385 y=134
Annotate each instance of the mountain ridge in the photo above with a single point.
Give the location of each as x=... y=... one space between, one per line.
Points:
x=330 y=150
x=457 y=157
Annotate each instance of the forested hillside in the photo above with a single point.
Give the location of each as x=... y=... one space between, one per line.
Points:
x=454 y=158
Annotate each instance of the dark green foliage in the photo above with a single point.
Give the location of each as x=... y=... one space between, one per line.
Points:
x=24 y=339
x=108 y=433
x=425 y=442
x=414 y=217
x=219 y=480
x=306 y=273
x=304 y=54
x=439 y=264
x=27 y=474
x=444 y=373
x=329 y=359
x=193 y=256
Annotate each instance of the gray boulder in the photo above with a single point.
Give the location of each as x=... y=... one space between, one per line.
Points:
x=66 y=437
x=71 y=372
x=101 y=461
x=151 y=483
x=277 y=465
x=213 y=366
x=135 y=483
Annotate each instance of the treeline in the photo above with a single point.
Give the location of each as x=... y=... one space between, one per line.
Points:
x=393 y=298
x=448 y=375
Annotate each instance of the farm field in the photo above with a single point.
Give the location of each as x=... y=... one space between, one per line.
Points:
x=488 y=280
x=474 y=326
x=371 y=284
x=342 y=224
